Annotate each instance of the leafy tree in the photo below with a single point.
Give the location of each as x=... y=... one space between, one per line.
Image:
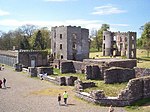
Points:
x=6 y=41
x=39 y=42
x=139 y=43
x=24 y=44
x=146 y=37
x=98 y=40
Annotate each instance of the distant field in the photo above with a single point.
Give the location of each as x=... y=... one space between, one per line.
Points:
x=143 y=60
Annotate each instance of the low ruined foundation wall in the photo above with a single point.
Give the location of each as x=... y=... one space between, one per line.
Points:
x=118 y=75
x=62 y=81
x=136 y=89
x=130 y=63
x=48 y=70
x=69 y=66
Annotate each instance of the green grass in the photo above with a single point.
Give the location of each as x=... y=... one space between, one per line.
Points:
x=139 y=106
x=57 y=73
x=143 y=60
x=109 y=89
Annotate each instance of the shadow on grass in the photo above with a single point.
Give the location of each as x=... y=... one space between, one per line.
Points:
x=137 y=104
x=144 y=59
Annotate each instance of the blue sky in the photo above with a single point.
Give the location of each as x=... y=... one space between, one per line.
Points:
x=121 y=15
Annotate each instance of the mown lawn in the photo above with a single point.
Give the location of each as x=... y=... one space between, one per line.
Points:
x=109 y=89
x=142 y=59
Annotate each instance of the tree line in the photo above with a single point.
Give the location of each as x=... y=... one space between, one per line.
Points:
x=30 y=37
x=26 y=37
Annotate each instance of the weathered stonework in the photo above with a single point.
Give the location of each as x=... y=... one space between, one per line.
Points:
x=70 y=43
x=18 y=67
x=140 y=72
x=118 y=75
x=42 y=70
x=123 y=44
x=28 y=58
x=33 y=71
x=136 y=89
x=79 y=85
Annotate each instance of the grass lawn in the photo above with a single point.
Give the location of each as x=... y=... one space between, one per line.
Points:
x=143 y=60
x=114 y=89
x=109 y=89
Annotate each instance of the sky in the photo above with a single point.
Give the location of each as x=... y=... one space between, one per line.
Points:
x=121 y=15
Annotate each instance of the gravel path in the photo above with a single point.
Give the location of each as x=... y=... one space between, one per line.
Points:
x=25 y=94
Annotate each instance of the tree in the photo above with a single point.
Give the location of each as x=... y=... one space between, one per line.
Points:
x=24 y=44
x=39 y=42
x=146 y=37
x=99 y=36
x=27 y=30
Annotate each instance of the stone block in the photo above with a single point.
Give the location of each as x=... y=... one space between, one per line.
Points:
x=48 y=70
x=97 y=94
x=18 y=67
x=61 y=81
x=33 y=71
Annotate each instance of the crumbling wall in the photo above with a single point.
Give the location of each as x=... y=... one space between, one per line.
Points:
x=43 y=70
x=79 y=85
x=67 y=67
x=140 y=72
x=136 y=89
x=93 y=72
x=118 y=75
x=123 y=63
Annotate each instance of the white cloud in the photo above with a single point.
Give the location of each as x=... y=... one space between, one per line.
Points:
x=107 y=9
x=89 y=24
x=76 y=22
x=3 y=13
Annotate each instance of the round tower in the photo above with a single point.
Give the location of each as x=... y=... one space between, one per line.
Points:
x=107 y=43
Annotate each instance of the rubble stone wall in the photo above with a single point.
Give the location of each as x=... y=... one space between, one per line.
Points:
x=118 y=75
x=136 y=89
x=48 y=70
x=140 y=72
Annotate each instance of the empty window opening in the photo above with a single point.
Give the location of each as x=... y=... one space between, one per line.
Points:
x=132 y=38
x=114 y=38
x=133 y=46
x=61 y=57
x=60 y=36
x=74 y=36
x=104 y=46
x=60 y=46
x=74 y=45
x=54 y=45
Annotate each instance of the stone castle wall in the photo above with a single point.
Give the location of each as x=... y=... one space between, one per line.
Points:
x=118 y=75
x=136 y=89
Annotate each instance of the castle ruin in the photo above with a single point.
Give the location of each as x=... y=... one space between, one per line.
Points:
x=70 y=43
x=119 y=44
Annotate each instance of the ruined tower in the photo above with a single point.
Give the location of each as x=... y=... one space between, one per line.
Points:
x=70 y=43
x=119 y=44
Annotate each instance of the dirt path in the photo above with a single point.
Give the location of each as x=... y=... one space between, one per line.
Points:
x=25 y=94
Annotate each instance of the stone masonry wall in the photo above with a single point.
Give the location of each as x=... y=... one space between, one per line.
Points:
x=136 y=89
x=48 y=70
x=140 y=72
x=67 y=67
x=118 y=75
